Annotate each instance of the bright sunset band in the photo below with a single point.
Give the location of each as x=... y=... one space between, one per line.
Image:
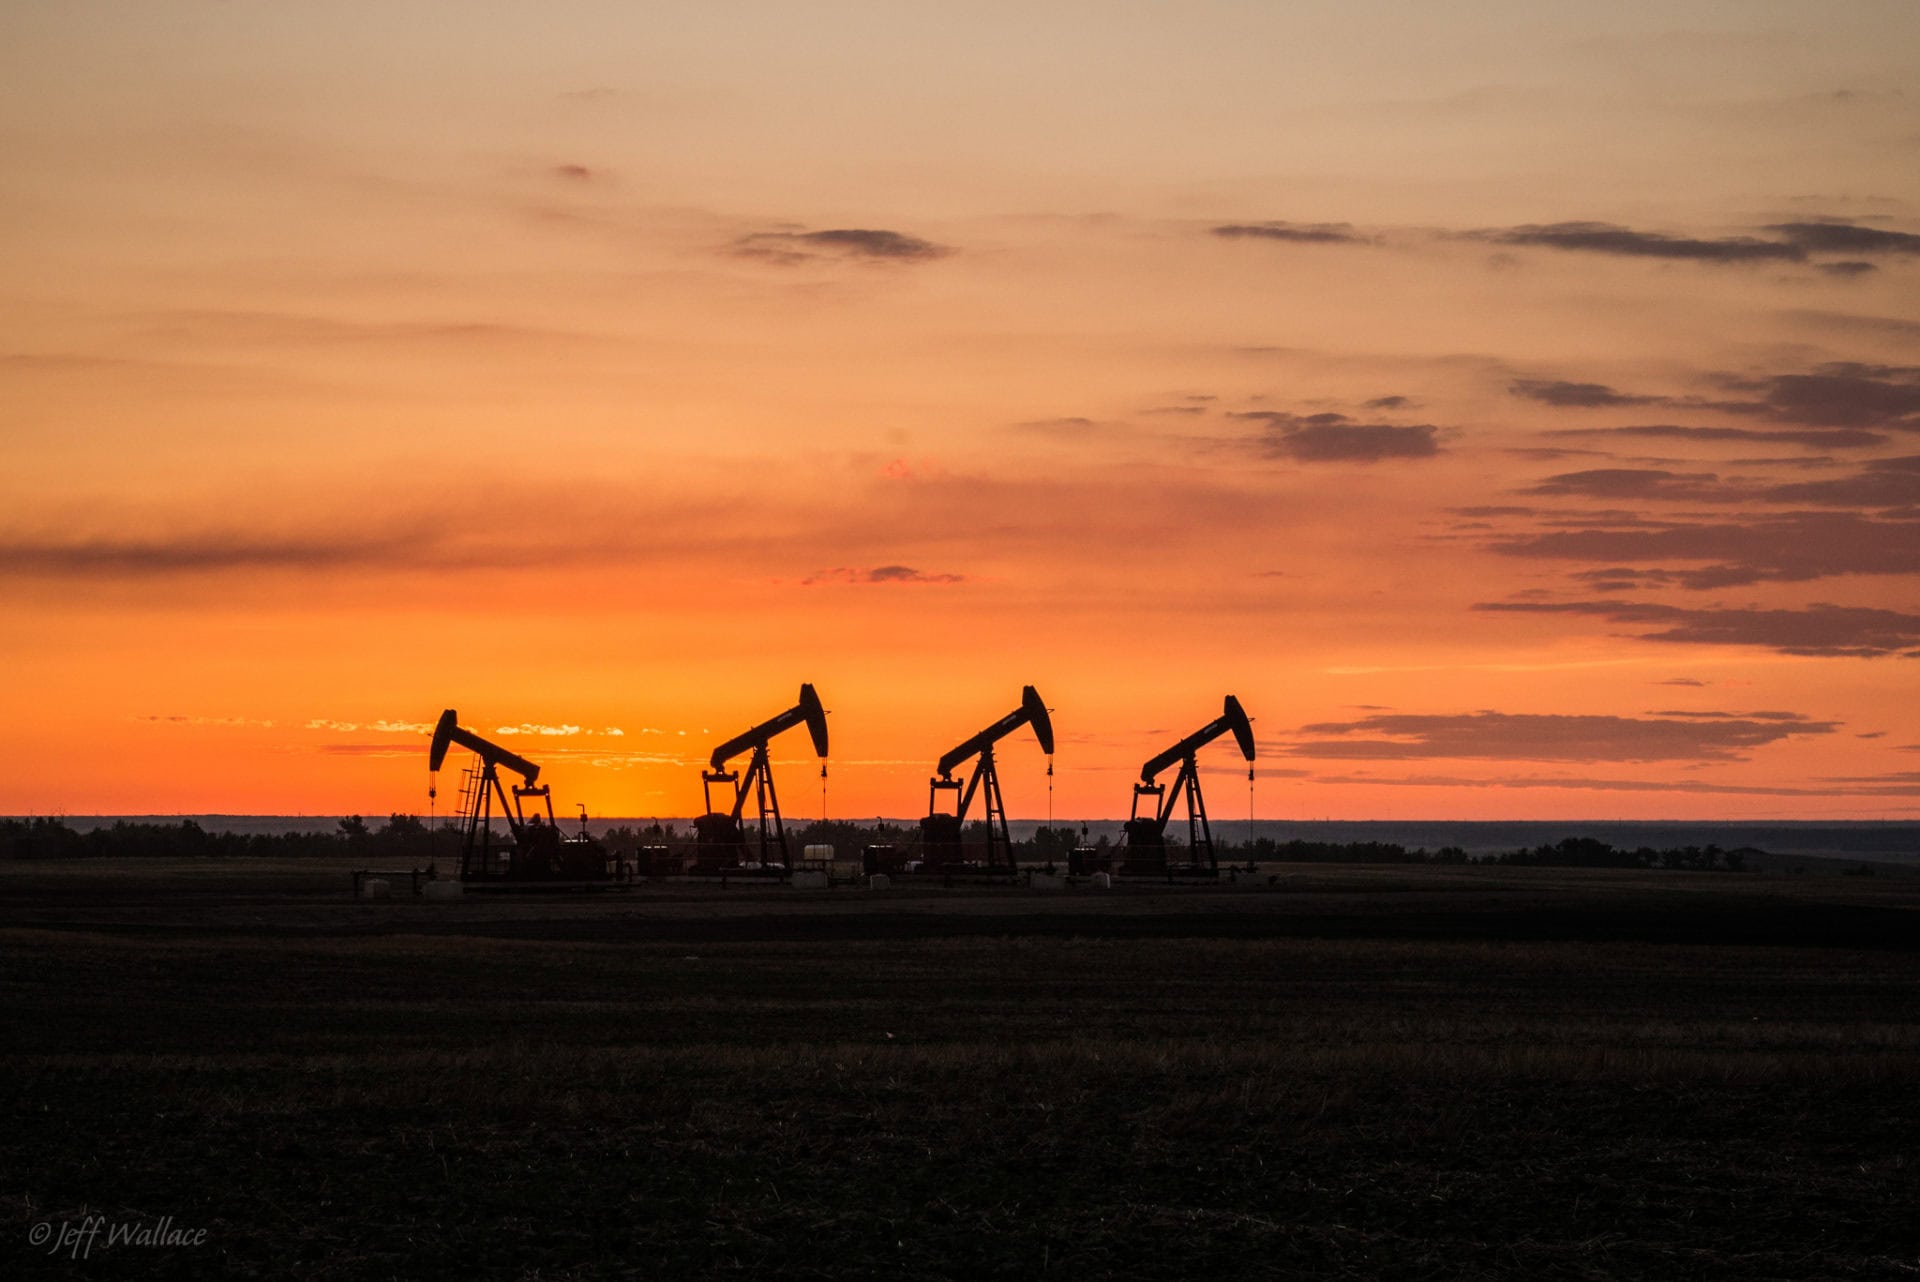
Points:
x=1516 y=407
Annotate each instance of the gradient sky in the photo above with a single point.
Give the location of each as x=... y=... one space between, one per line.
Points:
x=1517 y=405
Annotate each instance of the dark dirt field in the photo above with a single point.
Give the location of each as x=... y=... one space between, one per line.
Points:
x=1351 y=1072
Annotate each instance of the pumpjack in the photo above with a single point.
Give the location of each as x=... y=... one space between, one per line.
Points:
x=1147 y=834
x=940 y=840
x=719 y=835
x=537 y=851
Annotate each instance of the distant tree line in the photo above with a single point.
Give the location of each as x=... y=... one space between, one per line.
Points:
x=1052 y=844
x=1585 y=852
x=401 y=837
x=405 y=838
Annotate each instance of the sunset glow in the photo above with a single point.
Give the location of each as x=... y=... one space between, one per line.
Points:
x=1517 y=406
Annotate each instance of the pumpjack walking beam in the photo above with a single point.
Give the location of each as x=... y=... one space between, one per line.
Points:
x=1146 y=837
x=940 y=832
x=723 y=829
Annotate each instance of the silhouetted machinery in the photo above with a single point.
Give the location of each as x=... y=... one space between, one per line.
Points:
x=1147 y=835
x=940 y=833
x=536 y=851
x=720 y=838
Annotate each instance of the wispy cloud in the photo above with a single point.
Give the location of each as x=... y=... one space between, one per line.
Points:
x=1828 y=631
x=1078 y=427
x=1883 y=483
x=1294 y=233
x=880 y=574
x=1553 y=391
x=1638 y=483
x=870 y=244
x=1891 y=483
x=1855 y=323
x=382 y=726
x=1505 y=736
x=1793 y=547
x=1609 y=238
x=1837 y=394
x=1587 y=783
x=1335 y=438
x=267 y=327
x=194 y=553
x=1815 y=438
x=1892 y=777
x=599 y=756
x=1846 y=238
x=1840 y=394
x=1791 y=243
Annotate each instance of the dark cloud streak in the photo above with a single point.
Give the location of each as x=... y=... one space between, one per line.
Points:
x=1820 y=438
x=1609 y=238
x=1885 y=483
x=197 y=554
x=1296 y=233
x=879 y=574
x=1842 y=394
x=870 y=244
x=1638 y=483
x=1793 y=547
x=1827 y=631
x=1587 y=784
x=1553 y=391
x=1846 y=238
x=1503 y=736
x=1334 y=438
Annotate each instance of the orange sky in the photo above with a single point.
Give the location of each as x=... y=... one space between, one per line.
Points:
x=1515 y=405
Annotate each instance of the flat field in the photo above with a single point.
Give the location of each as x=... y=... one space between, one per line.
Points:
x=1329 y=1072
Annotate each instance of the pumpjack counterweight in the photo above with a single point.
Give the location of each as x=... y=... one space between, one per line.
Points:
x=940 y=833
x=1146 y=835
x=720 y=835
